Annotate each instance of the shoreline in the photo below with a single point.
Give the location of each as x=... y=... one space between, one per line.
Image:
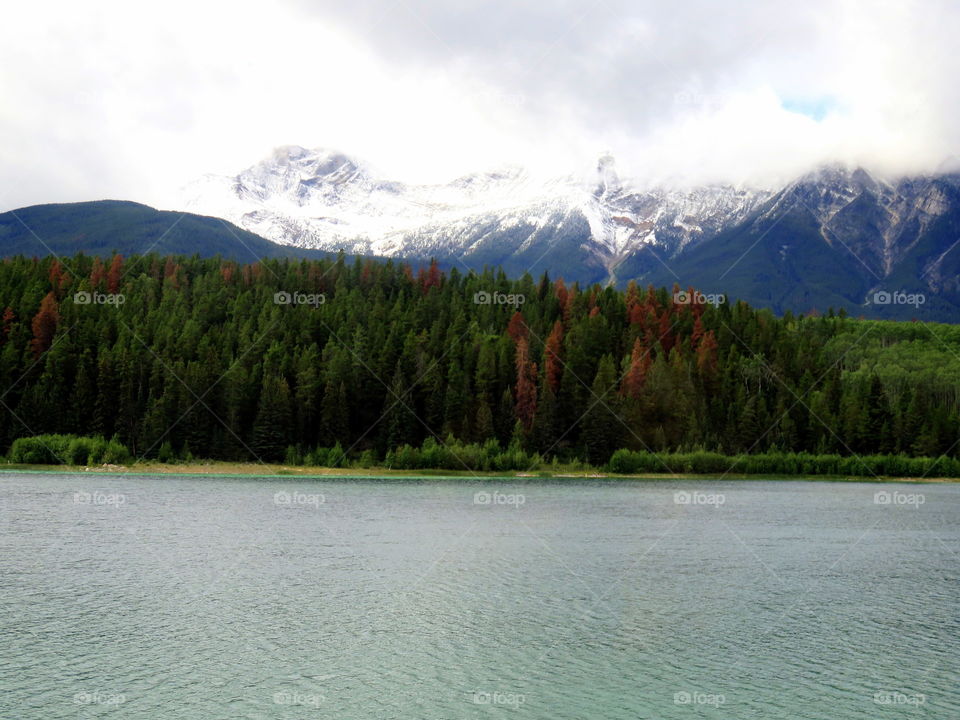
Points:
x=230 y=469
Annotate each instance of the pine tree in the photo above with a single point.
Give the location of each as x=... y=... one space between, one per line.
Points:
x=334 y=414
x=272 y=428
x=307 y=395
x=400 y=424
x=546 y=437
x=601 y=427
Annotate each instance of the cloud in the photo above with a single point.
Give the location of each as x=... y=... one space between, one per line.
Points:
x=114 y=99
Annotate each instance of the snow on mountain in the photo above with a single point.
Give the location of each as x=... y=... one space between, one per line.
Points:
x=327 y=200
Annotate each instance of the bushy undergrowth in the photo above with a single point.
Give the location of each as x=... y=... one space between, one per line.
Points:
x=432 y=455
x=67 y=450
x=774 y=463
x=491 y=457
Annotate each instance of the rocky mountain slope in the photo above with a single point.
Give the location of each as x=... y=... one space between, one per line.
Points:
x=327 y=200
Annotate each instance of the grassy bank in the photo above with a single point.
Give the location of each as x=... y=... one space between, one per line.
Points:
x=455 y=459
x=228 y=469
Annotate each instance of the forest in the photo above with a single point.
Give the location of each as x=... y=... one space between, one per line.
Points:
x=328 y=361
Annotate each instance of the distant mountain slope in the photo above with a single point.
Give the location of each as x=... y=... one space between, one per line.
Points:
x=837 y=238
x=103 y=226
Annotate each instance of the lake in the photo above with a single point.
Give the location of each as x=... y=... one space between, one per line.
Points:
x=210 y=597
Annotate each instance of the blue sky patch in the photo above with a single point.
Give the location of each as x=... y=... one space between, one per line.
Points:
x=815 y=108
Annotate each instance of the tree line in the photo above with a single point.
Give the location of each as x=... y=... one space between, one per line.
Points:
x=183 y=356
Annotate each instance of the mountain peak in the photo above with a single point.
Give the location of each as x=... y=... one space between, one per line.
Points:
x=607 y=176
x=309 y=161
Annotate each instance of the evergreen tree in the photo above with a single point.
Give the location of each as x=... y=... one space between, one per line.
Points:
x=272 y=427
x=601 y=426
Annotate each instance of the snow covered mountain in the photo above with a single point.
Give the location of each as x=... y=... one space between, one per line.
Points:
x=833 y=237
x=838 y=237
x=326 y=200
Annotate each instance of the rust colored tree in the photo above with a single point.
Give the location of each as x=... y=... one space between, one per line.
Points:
x=526 y=389
x=637 y=374
x=45 y=325
x=115 y=274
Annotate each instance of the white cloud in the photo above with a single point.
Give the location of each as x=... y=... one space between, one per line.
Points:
x=116 y=99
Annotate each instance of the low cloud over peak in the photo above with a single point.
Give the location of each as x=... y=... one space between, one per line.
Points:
x=105 y=100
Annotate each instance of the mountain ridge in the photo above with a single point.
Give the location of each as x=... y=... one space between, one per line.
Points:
x=860 y=232
x=101 y=227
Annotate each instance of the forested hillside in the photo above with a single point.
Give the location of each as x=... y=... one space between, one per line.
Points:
x=105 y=227
x=171 y=355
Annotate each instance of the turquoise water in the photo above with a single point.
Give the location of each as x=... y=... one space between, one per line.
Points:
x=177 y=597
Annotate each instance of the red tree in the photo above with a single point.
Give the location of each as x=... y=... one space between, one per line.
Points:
x=45 y=325
x=97 y=274
x=552 y=356
x=115 y=274
x=526 y=391
x=517 y=328
x=697 y=332
x=55 y=274
x=633 y=295
x=8 y=318
x=707 y=355
x=429 y=278
x=637 y=374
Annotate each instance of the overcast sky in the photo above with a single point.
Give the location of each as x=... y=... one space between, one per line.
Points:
x=133 y=100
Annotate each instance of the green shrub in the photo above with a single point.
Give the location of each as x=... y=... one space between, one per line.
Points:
x=67 y=450
x=79 y=449
x=97 y=450
x=293 y=456
x=33 y=451
x=116 y=453
x=336 y=458
x=368 y=459
x=165 y=454
x=316 y=457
